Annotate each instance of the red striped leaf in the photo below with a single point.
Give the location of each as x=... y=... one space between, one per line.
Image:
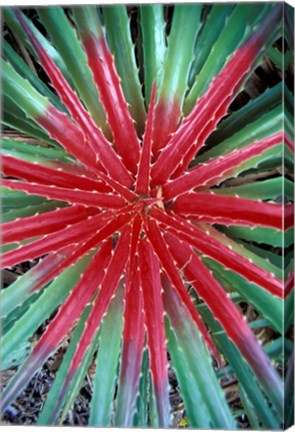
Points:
x=105 y=76
x=71 y=255
x=154 y=315
x=132 y=350
x=112 y=274
x=229 y=210
x=231 y=319
x=218 y=251
x=202 y=120
x=44 y=223
x=68 y=313
x=70 y=235
x=161 y=249
x=144 y=169
x=95 y=139
x=37 y=173
x=215 y=170
x=95 y=199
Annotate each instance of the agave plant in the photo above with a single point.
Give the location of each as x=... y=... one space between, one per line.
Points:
x=137 y=209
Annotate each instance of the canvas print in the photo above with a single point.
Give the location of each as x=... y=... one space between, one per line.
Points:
x=147 y=215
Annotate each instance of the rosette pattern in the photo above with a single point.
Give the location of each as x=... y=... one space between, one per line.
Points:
x=142 y=243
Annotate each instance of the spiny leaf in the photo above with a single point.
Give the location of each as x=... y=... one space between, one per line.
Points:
x=197 y=126
x=107 y=286
x=221 y=253
x=101 y=63
x=192 y=364
x=198 y=275
x=154 y=45
x=119 y=38
x=230 y=210
x=87 y=198
x=218 y=169
x=185 y=25
x=154 y=315
x=69 y=47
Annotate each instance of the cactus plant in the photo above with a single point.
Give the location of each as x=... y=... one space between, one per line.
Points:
x=142 y=246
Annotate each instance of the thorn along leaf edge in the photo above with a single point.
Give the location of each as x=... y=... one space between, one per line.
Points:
x=128 y=218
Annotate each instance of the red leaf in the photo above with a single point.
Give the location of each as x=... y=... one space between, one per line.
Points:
x=37 y=173
x=212 y=106
x=95 y=139
x=68 y=313
x=113 y=272
x=161 y=249
x=45 y=223
x=218 y=251
x=288 y=214
x=229 y=210
x=70 y=256
x=95 y=199
x=216 y=170
x=70 y=235
x=132 y=350
x=144 y=169
x=101 y=63
x=167 y=114
x=154 y=315
x=231 y=319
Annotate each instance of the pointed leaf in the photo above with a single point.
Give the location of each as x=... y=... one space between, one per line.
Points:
x=101 y=63
x=154 y=315
x=154 y=45
x=230 y=318
x=117 y=26
x=229 y=210
x=193 y=367
x=221 y=253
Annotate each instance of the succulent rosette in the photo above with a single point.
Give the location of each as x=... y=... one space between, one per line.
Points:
x=151 y=209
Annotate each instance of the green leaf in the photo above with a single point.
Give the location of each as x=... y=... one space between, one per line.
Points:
x=119 y=38
x=242 y=371
x=140 y=419
x=270 y=236
x=34 y=153
x=20 y=34
x=192 y=364
x=266 y=125
x=268 y=305
x=17 y=310
x=214 y=24
x=107 y=362
x=26 y=126
x=22 y=92
x=16 y=357
x=238 y=26
x=279 y=60
x=154 y=45
x=259 y=261
x=45 y=415
x=266 y=254
x=40 y=310
x=269 y=189
x=23 y=69
x=69 y=48
x=31 y=210
x=154 y=419
x=185 y=26
x=250 y=112
x=16 y=199
x=78 y=379
x=289 y=311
